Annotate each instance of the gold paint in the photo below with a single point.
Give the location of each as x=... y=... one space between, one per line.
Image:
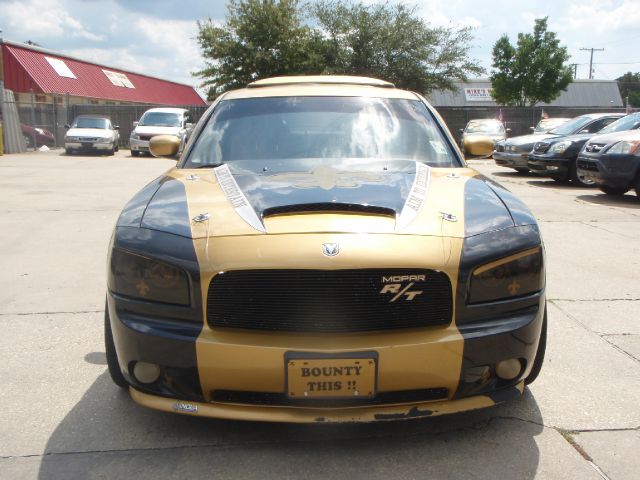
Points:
x=314 y=415
x=164 y=145
x=326 y=178
x=502 y=261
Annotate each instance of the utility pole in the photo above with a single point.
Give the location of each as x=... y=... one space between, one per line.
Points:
x=591 y=60
x=575 y=70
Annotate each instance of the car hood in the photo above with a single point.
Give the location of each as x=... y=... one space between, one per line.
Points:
x=471 y=138
x=583 y=137
x=312 y=196
x=529 y=139
x=607 y=138
x=89 y=132
x=155 y=130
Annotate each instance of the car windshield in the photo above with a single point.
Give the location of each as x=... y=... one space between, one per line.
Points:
x=492 y=128
x=630 y=122
x=86 y=122
x=277 y=128
x=160 y=119
x=549 y=123
x=571 y=126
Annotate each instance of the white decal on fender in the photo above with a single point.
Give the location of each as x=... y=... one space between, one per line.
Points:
x=416 y=196
x=236 y=198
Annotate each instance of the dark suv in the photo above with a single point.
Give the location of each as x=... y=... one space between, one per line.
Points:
x=556 y=157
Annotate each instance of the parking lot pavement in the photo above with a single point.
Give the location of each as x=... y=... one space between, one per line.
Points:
x=62 y=417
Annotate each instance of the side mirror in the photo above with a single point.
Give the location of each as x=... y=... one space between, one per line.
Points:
x=67 y=126
x=189 y=126
x=508 y=130
x=135 y=124
x=164 y=146
x=533 y=129
x=461 y=130
x=116 y=127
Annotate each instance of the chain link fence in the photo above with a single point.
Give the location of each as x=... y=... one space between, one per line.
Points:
x=44 y=123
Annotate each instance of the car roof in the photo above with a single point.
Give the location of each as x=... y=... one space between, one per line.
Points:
x=94 y=116
x=599 y=115
x=167 y=110
x=320 y=85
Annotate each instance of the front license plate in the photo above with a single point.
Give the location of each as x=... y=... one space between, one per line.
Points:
x=331 y=377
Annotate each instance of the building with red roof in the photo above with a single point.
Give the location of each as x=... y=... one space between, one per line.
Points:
x=51 y=76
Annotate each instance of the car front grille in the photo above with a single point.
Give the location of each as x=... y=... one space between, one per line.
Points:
x=329 y=301
x=540 y=147
x=587 y=165
x=595 y=147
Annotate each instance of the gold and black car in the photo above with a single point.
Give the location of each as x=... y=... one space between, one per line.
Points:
x=322 y=253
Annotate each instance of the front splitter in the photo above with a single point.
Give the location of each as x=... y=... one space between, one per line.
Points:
x=325 y=415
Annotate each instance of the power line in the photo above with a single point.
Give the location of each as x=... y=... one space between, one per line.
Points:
x=591 y=60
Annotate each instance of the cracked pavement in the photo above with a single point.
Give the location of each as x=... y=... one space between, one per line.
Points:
x=61 y=416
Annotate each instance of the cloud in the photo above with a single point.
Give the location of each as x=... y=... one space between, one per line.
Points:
x=46 y=19
x=602 y=16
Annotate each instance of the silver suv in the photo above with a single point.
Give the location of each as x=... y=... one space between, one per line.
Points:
x=160 y=121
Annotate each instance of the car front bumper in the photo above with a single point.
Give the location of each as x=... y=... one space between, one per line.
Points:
x=611 y=170
x=236 y=374
x=549 y=165
x=88 y=146
x=511 y=159
x=138 y=145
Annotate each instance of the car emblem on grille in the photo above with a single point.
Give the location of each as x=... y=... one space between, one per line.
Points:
x=330 y=249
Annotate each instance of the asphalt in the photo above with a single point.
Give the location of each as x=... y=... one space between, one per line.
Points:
x=61 y=417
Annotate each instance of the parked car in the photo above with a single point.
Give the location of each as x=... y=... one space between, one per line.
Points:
x=514 y=152
x=612 y=162
x=480 y=136
x=91 y=133
x=322 y=253
x=160 y=121
x=547 y=124
x=42 y=136
x=557 y=157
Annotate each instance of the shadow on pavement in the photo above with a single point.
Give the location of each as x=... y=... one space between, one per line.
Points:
x=514 y=174
x=629 y=200
x=106 y=435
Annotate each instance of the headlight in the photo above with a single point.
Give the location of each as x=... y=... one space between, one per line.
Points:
x=560 y=147
x=512 y=276
x=71 y=139
x=105 y=139
x=140 y=277
x=135 y=136
x=625 y=148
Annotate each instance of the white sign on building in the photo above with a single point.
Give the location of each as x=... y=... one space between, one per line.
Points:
x=478 y=94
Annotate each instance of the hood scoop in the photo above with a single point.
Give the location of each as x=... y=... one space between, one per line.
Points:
x=328 y=207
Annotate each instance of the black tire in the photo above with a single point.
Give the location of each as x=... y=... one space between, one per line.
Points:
x=135 y=153
x=522 y=170
x=112 y=355
x=111 y=152
x=613 y=190
x=68 y=151
x=637 y=186
x=116 y=147
x=577 y=179
x=542 y=347
x=28 y=141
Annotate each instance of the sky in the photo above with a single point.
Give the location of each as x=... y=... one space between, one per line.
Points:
x=157 y=37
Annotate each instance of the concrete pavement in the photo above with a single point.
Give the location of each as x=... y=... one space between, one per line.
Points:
x=62 y=417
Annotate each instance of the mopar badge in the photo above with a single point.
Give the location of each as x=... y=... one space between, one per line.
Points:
x=185 y=407
x=330 y=249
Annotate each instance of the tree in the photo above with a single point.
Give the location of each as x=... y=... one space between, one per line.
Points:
x=261 y=38
x=629 y=85
x=393 y=43
x=534 y=71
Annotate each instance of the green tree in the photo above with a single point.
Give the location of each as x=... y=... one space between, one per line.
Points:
x=261 y=38
x=393 y=43
x=629 y=85
x=533 y=71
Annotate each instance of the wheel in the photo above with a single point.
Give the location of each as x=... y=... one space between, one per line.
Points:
x=576 y=178
x=116 y=147
x=542 y=347
x=522 y=170
x=28 y=141
x=613 y=190
x=112 y=355
x=637 y=185
x=68 y=151
x=111 y=151
x=135 y=153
